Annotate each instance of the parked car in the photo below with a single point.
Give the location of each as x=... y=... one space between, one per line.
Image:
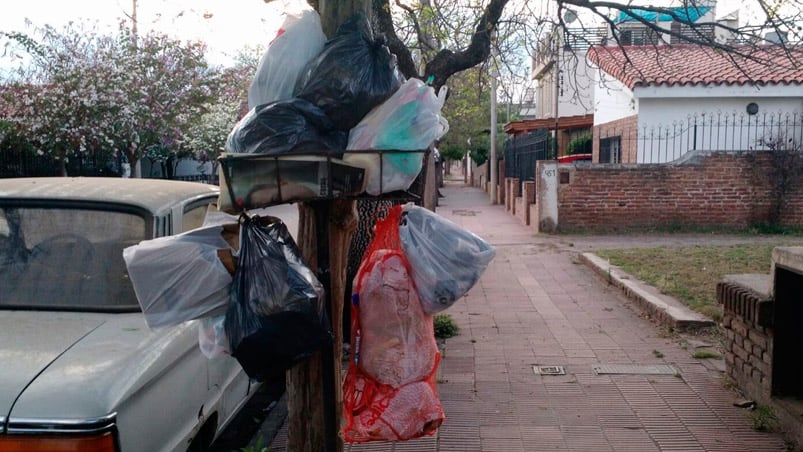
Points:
x=80 y=368
x=575 y=158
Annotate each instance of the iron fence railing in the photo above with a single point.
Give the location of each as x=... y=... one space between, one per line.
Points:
x=26 y=163
x=523 y=151
x=662 y=143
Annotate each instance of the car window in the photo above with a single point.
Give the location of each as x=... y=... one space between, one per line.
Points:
x=67 y=258
x=194 y=217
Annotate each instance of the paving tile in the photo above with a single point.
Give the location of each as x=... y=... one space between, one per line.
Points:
x=534 y=306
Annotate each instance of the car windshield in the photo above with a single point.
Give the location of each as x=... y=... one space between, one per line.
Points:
x=66 y=258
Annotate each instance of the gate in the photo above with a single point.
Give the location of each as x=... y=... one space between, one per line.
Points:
x=522 y=151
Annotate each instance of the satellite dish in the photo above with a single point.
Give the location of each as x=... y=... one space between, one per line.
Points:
x=569 y=16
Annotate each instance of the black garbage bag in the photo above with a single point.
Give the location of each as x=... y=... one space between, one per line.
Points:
x=353 y=74
x=285 y=127
x=276 y=315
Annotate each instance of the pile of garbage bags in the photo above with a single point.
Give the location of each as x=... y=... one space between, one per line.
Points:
x=267 y=311
x=347 y=95
x=418 y=264
x=327 y=118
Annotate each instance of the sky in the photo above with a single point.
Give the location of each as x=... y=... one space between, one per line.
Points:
x=225 y=25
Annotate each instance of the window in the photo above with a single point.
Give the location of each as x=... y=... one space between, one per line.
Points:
x=67 y=258
x=193 y=217
x=610 y=150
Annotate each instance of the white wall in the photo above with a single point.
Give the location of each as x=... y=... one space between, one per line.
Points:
x=577 y=96
x=722 y=122
x=612 y=99
x=577 y=88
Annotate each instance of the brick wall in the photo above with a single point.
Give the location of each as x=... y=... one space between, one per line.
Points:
x=627 y=129
x=714 y=189
x=748 y=338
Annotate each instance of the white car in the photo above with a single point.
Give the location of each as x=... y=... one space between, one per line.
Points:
x=79 y=368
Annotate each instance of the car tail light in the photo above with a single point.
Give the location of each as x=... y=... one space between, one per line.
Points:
x=46 y=443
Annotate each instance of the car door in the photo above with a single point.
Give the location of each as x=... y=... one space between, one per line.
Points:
x=227 y=383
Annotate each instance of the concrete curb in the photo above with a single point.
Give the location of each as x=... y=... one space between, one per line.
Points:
x=667 y=310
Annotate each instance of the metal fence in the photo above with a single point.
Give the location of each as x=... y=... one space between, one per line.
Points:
x=664 y=143
x=25 y=163
x=522 y=151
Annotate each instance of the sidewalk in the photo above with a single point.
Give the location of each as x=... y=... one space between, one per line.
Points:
x=537 y=307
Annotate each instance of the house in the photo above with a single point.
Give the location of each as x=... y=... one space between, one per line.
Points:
x=653 y=104
x=564 y=85
x=565 y=82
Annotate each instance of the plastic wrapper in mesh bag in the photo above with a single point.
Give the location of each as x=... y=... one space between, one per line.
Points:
x=410 y=120
x=354 y=73
x=285 y=127
x=445 y=259
x=276 y=315
x=181 y=277
x=298 y=40
x=390 y=392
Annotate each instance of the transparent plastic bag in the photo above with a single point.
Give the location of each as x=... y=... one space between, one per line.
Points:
x=276 y=315
x=298 y=40
x=410 y=120
x=445 y=259
x=212 y=337
x=353 y=73
x=181 y=277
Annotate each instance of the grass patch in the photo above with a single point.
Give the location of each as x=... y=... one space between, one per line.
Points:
x=704 y=354
x=691 y=274
x=445 y=326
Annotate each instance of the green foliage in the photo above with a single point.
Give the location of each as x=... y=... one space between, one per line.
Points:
x=259 y=446
x=452 y=151
x=445 y=326
x=580 y=145
x=764 y=419
x=468 y=112
x=479 y=155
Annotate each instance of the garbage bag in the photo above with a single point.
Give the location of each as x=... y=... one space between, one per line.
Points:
x=354 y=73
x=284 y=127
x=410 y=120
x=390 y=392
x=298 y=40
x=445 y=259
x=276 y=315
x=180 y=277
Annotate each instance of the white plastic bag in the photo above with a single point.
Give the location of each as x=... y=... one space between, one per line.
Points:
x=212 y=337
x=410 y=121
x=445 y=259
x=179 y=278
x=298 y=40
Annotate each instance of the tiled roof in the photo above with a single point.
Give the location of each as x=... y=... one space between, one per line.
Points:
x=681 y=65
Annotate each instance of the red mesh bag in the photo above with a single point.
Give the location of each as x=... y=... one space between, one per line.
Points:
x=390 y=392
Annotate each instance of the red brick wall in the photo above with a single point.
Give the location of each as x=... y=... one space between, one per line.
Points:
x=627 y=129
x=720 y=189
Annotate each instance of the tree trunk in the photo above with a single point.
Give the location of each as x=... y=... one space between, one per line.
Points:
x=335 y=12
x=307 y=397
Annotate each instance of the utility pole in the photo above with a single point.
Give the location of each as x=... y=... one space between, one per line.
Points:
x=134 y=20
x=557 y=91
x=493 y=166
